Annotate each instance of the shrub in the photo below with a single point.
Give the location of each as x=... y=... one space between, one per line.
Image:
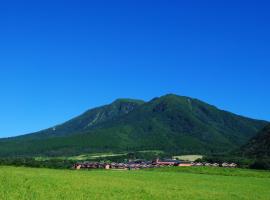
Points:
x=262 y=164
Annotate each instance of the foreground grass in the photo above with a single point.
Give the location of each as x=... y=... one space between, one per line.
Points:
x=27 y=184
x=215 y=171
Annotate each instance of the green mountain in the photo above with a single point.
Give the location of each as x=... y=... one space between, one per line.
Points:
x=170 y=123
x=258 y=146
x=91 y=118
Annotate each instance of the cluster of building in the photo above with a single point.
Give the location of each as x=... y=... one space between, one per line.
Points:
x=227 y=165
x=136 y=165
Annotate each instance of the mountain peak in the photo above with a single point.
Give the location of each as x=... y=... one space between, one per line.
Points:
x=127 y=100
x=173 y=97
x=168 y=123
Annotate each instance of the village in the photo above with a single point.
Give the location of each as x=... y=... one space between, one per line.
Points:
x=137 y=165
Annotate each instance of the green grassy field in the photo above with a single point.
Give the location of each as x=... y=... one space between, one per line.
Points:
x=175 y=183
x=191 y=158
x=104 y=155
x=83 y=156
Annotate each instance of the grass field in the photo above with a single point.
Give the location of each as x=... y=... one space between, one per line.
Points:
x=174 y=183
x=93 y=156
x=83 y=156
x=188 y=157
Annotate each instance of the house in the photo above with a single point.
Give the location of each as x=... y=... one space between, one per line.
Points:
x=90 y=165
x=225 y=164
x=198 y=164
x=233 y=165
x=185 y=164
x=167 y=162
x=77 y=166
x=215 y=165
x=229 y=165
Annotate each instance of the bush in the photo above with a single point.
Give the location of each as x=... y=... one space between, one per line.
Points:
x=262 y=164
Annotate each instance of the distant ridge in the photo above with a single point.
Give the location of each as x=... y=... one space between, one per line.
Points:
x=170 y=123
x=258 y=146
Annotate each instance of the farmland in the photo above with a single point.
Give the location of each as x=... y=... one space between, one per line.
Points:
x=110 y=156
x=168 y=183
x=191 y=158
x=82 y=157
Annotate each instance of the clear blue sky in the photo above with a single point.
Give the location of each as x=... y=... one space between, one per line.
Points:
x=59 y=58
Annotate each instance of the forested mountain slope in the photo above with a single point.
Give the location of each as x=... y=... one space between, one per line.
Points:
x=170 y=123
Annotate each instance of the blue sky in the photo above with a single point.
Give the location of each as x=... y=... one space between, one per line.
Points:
x=60 y=58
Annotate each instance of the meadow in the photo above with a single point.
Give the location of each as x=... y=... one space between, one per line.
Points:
x=191 y=158
x=110 y=156
x=174 y=183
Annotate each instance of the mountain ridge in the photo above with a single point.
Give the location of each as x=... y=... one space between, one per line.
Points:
x=259 y=145
x=170 y=123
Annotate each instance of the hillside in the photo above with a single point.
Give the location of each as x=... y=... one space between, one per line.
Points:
x=90 y=119
x=171 y=123
x=259 y=146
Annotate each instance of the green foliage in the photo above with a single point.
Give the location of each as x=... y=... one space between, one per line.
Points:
x=259 y=146
x=263 y=164
x=174 y=124
x=32 y=184
x=31 y=162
